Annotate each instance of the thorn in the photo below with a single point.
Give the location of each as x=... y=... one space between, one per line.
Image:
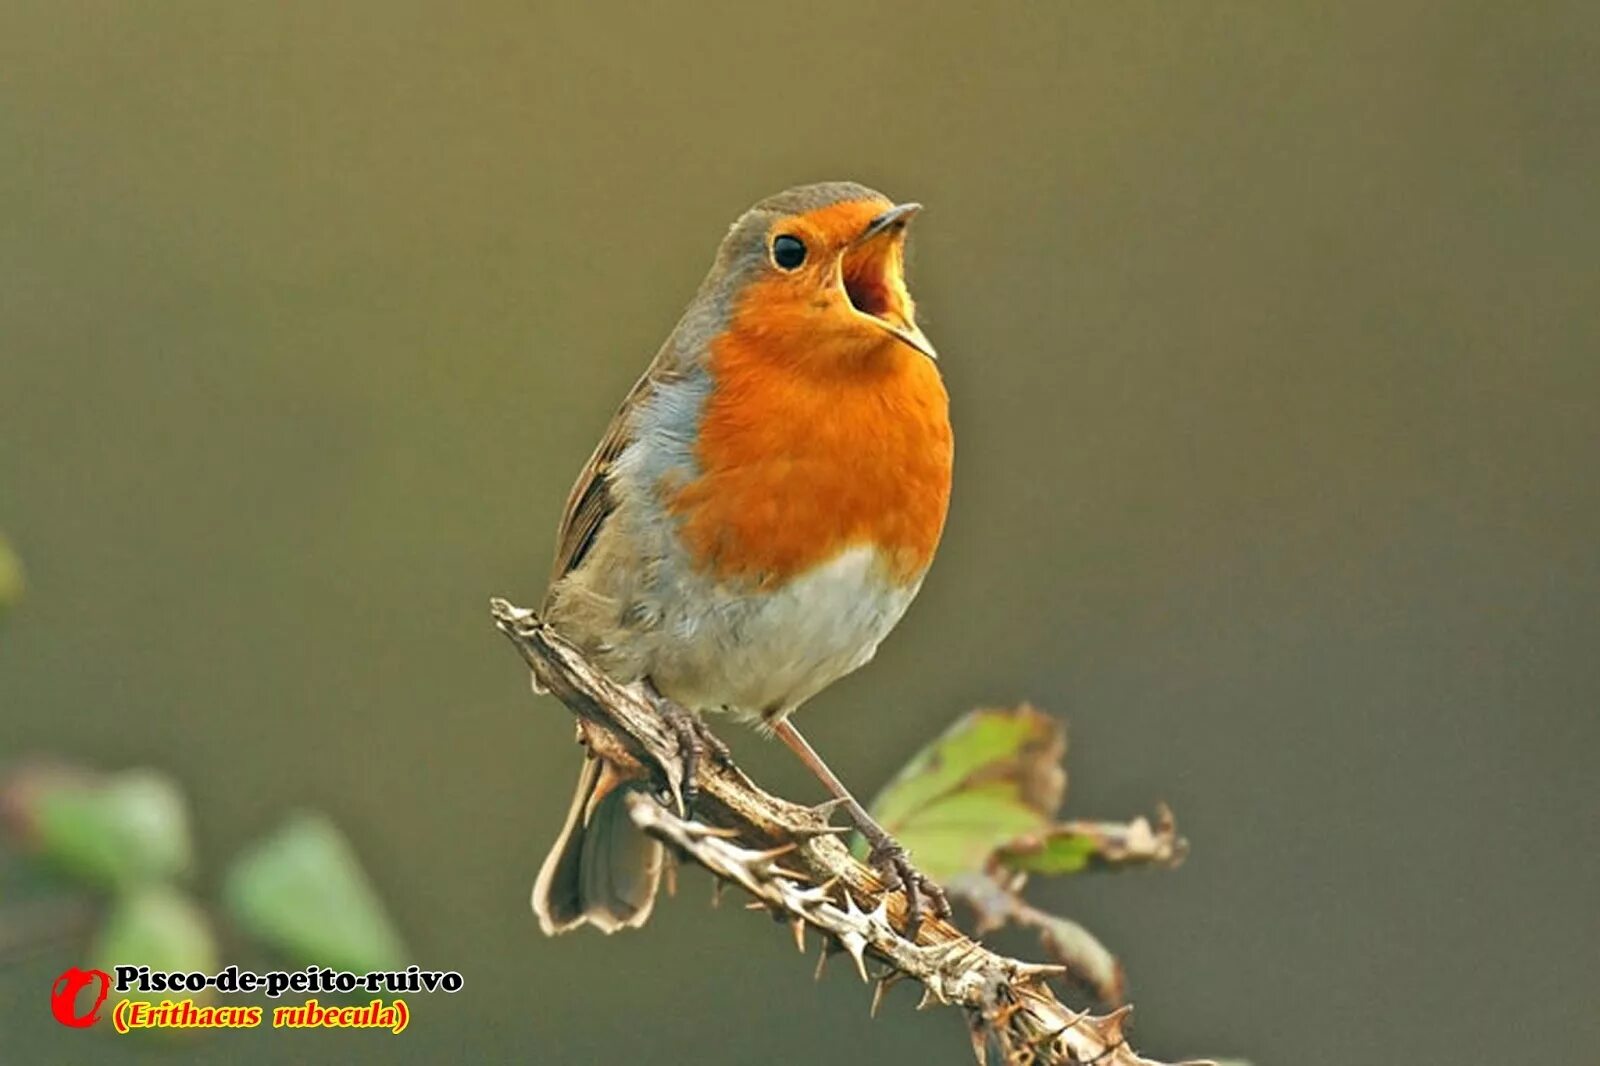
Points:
x=1047 y=1040
x=816 y=893
x=670 y=873
x=947 y=951
x=718 y=886
x=756 y=905
x=720 y=831
x=784 y=871
x=1028 y=973
x=856 y=945
x=884 y=983
x=771 y=853
x=799 y=927
x=822 y=959
x=1111 y=1024
x=932 y=992
x=825 y=810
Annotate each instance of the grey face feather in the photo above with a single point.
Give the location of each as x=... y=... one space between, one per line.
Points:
x=743 y=253
x=804 y=198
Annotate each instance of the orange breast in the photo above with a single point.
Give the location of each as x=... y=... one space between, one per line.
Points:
x=798 y=465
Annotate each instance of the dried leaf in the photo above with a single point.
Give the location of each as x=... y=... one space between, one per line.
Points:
x=1069 y=847
x=1089 y=963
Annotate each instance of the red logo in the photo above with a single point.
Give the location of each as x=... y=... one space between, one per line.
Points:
x=64 y=996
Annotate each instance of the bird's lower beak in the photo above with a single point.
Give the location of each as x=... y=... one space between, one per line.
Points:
x=913 y=336
x=872 y=272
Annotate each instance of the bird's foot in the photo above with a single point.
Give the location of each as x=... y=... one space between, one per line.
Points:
x=695 y=742
x=888 y=857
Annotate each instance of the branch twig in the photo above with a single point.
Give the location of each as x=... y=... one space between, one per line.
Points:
x=792 y=862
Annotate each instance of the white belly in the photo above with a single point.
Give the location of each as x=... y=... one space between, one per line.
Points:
x=763 y=654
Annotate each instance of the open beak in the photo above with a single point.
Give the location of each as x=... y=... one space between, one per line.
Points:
x=872 y=272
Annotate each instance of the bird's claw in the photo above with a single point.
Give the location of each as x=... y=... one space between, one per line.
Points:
x=695 y=742
x=889 y=858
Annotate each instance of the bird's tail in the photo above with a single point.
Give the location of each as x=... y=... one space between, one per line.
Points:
x=602 y=870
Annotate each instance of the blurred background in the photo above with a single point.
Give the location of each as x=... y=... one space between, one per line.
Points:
x=1272 y=339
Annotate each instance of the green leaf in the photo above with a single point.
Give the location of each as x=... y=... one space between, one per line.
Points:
x=11 y=582
x=159 y=927
x=113 y=831
x=957 y=834
x=1018 y=743
x=993 y=776
x=1049 y=854
x=303 y=892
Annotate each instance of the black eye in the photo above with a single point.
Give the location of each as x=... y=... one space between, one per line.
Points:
x=788 y=251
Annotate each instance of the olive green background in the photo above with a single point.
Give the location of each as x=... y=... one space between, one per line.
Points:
x=1272 y=336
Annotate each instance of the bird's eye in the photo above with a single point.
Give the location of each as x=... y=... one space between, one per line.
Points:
x=788 y=251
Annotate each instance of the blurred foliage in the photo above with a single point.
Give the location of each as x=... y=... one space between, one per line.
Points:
x=977 y=810
x=117 y=831
x=10 y=577
x=125 y=838
x=158 y=926
x=302 y=890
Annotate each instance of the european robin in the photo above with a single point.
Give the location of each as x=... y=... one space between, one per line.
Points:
x=758 y=516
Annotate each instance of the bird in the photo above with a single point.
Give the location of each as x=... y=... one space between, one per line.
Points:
x=757 y=517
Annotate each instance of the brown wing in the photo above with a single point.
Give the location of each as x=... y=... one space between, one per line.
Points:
x=593 y=498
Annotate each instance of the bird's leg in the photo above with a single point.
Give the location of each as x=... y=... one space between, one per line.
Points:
x=888 y=856
x=695 y=741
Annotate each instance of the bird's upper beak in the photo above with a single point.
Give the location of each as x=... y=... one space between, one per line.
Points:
x=873 y=275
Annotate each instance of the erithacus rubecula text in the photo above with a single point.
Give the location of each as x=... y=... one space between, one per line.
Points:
x=758 y=516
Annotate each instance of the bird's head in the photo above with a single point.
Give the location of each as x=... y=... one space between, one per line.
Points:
x=816 y=274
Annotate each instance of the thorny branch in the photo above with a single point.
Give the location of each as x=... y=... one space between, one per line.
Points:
x=794 y=864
